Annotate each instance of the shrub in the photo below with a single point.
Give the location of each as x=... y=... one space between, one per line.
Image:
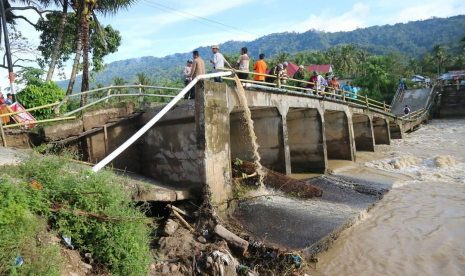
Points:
x=20 y=231
x=120 y=240
x=38 y=95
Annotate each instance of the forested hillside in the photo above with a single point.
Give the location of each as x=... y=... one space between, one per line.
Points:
x=412 y=39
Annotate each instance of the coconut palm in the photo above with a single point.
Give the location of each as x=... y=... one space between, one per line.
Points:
x=143 y=79
x=438 y=51
x=362 y=58
x=347 y=58
x=117 y=81
x=86 y=10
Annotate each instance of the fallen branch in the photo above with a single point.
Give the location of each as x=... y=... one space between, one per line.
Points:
x=178 y=210
x=182 y=220
x=234 y=241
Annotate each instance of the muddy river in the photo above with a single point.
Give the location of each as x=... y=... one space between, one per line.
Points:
x=418 y=228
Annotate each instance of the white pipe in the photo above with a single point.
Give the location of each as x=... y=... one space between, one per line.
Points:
x=155 y=119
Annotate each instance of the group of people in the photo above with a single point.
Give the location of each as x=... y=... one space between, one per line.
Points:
x=3 y=103
x=196 y=66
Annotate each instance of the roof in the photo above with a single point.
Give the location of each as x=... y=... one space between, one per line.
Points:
x=319 y=68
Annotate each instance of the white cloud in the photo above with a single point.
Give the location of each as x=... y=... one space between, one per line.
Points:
x=426 y=10
x=329 y=22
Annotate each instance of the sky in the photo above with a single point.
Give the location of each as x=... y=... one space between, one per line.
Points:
x=149 y=29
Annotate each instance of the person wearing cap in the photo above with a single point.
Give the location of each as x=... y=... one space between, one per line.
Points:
x=218 y=62
x=187 y=71
x=300 y=75
x=197 y=69
x=260 y=67
x=313 y=80
x=243 y=64
x=284 y=73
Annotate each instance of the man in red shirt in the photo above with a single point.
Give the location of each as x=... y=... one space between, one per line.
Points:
x=313 y=79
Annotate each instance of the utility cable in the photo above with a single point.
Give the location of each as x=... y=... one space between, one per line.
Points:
x=203 y=18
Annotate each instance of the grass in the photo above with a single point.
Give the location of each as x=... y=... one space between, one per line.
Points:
x=94 y=209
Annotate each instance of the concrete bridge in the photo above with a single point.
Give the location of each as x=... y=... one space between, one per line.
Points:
x=192 y=145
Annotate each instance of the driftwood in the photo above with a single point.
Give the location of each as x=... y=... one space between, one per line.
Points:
x=280 y=181
x=234 y=241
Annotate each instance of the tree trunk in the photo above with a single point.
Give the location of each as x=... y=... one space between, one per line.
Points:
x=58 y=42
x=76 y=59
x=85 y=60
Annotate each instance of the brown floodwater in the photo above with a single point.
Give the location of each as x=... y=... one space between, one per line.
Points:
x=418 y=228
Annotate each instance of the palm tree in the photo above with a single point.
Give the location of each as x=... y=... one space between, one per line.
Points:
x=362 y=58
x=439 y=55
x=414 y=65
x=56 y=50
x=143 y=79
x=117 y=81
x=347 y=58
x=85 y=10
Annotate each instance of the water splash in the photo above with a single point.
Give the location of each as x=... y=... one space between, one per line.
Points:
x=251 y=131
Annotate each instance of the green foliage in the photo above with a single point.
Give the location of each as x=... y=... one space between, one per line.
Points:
x=21 y=231
x=49 y=27
x=29 y=76
x=38 y=95
x=121 y=241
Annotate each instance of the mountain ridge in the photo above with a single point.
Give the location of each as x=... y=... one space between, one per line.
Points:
x=414 y=38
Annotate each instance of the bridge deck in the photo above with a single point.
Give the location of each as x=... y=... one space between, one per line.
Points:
x=415 y=99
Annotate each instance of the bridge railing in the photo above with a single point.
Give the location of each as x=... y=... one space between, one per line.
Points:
x=113 y=91
x=317 y=90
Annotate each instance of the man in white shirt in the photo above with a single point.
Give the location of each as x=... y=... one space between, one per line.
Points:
x=243 y=64
x=187 y=71
x=218 y=61
x=320 y=82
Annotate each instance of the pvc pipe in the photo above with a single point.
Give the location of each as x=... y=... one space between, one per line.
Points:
x=155 y=119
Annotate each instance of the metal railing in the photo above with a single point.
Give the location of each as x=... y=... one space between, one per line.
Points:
x=325 y=92
x=394 y=100
x=111 y=95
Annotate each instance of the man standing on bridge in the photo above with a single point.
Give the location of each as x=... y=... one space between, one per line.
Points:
x=406 y=110
x=197 y=68
x=218 y=62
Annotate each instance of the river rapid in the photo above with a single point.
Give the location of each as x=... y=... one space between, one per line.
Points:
x=418 y=228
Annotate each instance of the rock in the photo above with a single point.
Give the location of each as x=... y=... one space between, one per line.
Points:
x=165 y=270
x=174 y=268
x=152 y=266
x=88 y=266
x=202 y=240
x=170 y=227
x=209 y=262
x=73 y=274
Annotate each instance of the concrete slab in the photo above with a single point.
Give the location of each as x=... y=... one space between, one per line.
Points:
x=311 y=225
x=11 y=156
x=152 y=190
